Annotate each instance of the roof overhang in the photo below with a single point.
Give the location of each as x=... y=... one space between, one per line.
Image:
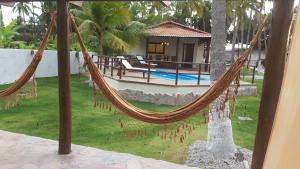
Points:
x=11 y=4
x=174 y=29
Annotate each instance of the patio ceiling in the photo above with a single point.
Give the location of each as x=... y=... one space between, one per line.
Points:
x=173 y=29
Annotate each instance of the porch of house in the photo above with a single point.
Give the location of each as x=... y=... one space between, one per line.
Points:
x=171 y=41
x=27 y=152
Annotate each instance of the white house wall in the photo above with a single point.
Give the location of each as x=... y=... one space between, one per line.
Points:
x=13 y=62
x=200 y=52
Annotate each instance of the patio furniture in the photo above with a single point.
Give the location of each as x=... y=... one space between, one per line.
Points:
x=143 y=62
x=129 y=67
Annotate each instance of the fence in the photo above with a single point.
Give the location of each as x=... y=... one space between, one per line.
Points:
x=106 y=63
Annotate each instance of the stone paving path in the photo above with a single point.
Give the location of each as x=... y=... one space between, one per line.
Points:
x=18 y=151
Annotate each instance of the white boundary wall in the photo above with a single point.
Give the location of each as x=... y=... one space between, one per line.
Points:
x=13 y=62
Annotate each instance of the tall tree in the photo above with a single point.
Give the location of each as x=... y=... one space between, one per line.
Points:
x=262 y=4
x=220 y=138
x=23 y=9
x=108 y=26
x=1 y=17
x=7 y=33
x=237 y=10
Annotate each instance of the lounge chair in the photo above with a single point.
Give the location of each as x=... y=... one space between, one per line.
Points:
x=143 y=62
x=129 y=67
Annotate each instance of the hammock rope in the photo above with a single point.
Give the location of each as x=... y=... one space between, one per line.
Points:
x=30 y=70
x=173 y=116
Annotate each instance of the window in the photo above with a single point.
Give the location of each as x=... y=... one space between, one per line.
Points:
x=156 y=48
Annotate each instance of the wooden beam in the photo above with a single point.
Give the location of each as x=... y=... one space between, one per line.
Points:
x=165 y=3
x=284 y=146
x=274 y=69
x=63 y=55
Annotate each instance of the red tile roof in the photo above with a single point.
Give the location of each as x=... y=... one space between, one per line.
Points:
x=173 y=29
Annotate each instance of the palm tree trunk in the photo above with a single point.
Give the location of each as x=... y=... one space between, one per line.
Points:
x=234 y=37
x=32 y=5
x=100 y=49
x=248 y=34
x=242 y=36
x=265 y=37
x=254 y=28
x=220 y=139
x=265 y=42
x=23 y=18
x=1 y=17
x=203 y=22
x=259 y=42
x=249 y=27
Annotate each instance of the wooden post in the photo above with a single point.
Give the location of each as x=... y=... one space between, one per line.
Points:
x=98 y=58
x=176 y=80
x=283 y=150
x=101 y=62
x=112 y=67
x=199 y=74
x=120 y=69
x=148 y=73
x=253 y=74
x=146 y=53
x=63 y=54
x=275 y=65
x=104 y=65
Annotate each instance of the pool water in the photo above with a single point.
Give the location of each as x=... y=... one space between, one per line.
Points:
x=181 y=76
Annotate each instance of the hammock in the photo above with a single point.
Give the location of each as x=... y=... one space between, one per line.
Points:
x=28 y=73
x=168 y=117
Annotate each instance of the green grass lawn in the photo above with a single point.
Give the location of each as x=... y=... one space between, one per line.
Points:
x=99 y=128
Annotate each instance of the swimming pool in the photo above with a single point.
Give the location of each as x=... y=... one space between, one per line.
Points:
x=181 y=76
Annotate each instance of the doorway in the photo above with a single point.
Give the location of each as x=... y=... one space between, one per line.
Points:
x=188 y=54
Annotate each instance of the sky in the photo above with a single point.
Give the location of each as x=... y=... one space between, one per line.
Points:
x=8 y=15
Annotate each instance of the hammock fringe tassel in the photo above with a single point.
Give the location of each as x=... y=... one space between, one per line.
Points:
x=28 y=91
x=26 y=86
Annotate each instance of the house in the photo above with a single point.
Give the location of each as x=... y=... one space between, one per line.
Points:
x=171 y=41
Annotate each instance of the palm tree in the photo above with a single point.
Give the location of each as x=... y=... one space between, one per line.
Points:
x=1 y=17
x=149 y=13
x=107 y=26
x=237 y=9
x=23 y=9
x=220 y=139
x=7 y=33
x=186 y=9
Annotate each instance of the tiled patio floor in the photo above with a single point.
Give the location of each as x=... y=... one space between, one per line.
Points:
x=18 y=151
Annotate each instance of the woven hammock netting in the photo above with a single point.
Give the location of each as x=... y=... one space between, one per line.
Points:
x=118 y=104
x=217 y=89
x=25 y=86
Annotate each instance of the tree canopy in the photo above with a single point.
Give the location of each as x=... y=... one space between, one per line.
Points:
x=113 y=27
